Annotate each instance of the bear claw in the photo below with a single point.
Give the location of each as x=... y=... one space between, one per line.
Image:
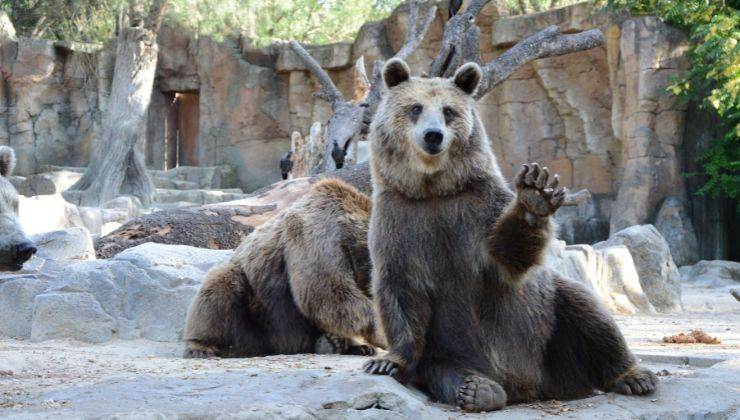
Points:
x=334 y=344
x=637 y=382
x=537 y=195
x=382 y=367
x=480 y=394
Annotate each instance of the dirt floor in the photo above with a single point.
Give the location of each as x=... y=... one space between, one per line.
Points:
x=134 y=379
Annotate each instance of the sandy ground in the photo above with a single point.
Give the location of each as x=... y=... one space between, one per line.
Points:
x=70 y=379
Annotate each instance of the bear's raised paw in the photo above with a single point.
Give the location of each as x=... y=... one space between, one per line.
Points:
x=638 y=381
x=535 y=193
x=480 y=394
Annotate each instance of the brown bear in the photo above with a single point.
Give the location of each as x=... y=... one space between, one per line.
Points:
x=297 y=284
x=468 y=311
x=15 y=248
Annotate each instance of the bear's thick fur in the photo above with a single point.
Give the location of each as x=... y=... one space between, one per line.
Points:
x=15 y=248
x=297 y=284
x=468 y=311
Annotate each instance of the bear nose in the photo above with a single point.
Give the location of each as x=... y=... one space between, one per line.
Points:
x=24 y=252
x=433 y=137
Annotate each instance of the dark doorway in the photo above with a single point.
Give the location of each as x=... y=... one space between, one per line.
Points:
x=181 y=129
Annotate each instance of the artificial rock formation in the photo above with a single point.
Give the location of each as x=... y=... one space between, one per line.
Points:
x=601 y=118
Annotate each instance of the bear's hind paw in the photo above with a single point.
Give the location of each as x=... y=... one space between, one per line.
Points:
x=199 y=351
x=480 y=394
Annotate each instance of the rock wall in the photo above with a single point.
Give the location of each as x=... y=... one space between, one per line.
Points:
x=49 y=100
x=600 y=118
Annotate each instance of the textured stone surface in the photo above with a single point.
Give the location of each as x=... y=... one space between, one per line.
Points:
x=69 y=244
x=715 y=273
x=55 y=105
x=46 y=213
x=129 y=204
x=70 y=315
x=659 y=275
x=48 y=183
x=143 y=292
x=609 y=271
x=332 y=56
x=650 y=121
x=674 y=224
x=17 y=293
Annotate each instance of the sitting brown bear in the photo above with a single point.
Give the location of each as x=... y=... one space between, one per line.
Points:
x=468 y=311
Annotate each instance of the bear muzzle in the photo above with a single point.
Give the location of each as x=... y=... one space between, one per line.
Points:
x=433 y=139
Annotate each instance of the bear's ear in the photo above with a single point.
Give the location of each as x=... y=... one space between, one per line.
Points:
x=7 y=161
x=395 y=72
x=467 y=77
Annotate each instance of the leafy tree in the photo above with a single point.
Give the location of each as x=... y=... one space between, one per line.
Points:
x=529 y=6
x=312 y=21
x=79 y=20
x=714 y=78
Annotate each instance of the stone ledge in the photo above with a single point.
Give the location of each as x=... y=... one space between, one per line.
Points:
x=331 y=57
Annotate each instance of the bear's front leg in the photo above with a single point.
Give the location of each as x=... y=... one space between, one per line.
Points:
x=519 y=237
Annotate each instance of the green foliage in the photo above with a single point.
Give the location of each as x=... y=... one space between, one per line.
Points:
x=311 y=21
x=714 y=78
x=521 y=7
x=77 y=20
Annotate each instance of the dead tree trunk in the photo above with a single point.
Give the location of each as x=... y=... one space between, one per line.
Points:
x=117 y=166
x=350 y=118
x=223 y=225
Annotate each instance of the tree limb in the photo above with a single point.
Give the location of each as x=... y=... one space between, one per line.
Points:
x=329 y=91
x=548 y=42
x=459 y=44
x=156 y=15
x=416 y=31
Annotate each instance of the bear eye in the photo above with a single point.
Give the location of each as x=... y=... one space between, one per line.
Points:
x=449 y=113
x=416 y=110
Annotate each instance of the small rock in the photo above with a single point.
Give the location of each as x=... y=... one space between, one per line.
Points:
x=714 y=273
x=659 y=276
x=69 y=244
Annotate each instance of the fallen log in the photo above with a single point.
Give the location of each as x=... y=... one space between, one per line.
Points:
x=222 y=225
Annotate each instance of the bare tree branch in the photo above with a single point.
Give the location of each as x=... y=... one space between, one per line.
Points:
x=548 y=42
x=414 y=36
x=329 y=91
x=416 y=29
x=156 y=15
x=459 y=42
